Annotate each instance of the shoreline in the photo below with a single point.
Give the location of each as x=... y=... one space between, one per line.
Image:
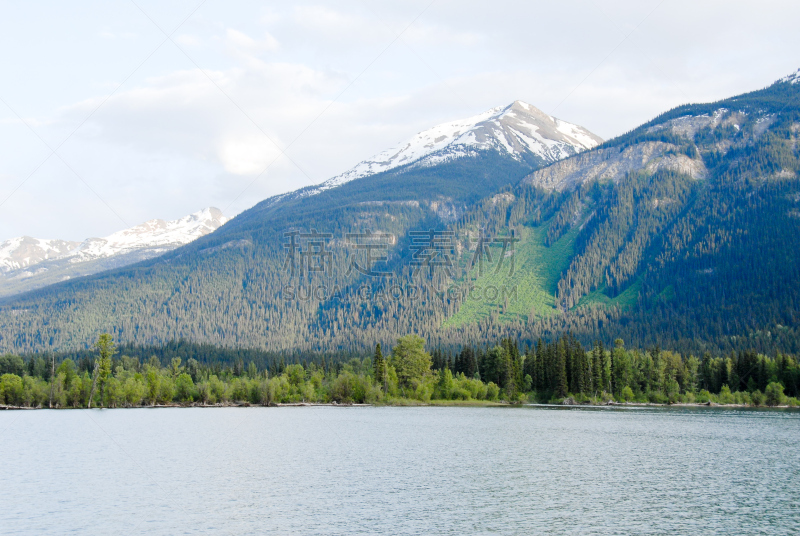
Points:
x=419 y=403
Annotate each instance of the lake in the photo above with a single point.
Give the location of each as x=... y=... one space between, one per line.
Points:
x=394 y=470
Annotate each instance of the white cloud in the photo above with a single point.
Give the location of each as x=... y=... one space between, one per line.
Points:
x=248 y=155
x=171 y=141
x=244 y=42
x=188 y=112
x=108 y=34
x=188 y=40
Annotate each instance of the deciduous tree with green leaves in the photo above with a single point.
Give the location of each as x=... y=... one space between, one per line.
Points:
x=106 y=348
x=774 y=394
x=410 y=359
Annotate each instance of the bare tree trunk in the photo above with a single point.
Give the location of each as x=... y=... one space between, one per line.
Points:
x=94 y=382
x=52 y=380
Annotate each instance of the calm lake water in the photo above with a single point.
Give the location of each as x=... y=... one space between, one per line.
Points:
x=361 y=470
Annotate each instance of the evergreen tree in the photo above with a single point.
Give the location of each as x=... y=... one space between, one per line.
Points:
x=586 y=373
x=541 y=379
x=378 y=364
x=469 y=366
x=530 y=367
x=597 y=367
x=617 y=367
x=562 y=386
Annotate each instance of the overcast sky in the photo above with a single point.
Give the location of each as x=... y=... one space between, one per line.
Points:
x=157 y=109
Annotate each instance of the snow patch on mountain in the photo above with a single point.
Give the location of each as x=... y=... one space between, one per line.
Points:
x=151 y=234
x=793 y=78
x=516 y=129
x=24 y=252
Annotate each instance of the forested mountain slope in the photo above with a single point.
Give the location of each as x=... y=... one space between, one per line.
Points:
x=681 y=233
x=28 y=263
x=225 y=288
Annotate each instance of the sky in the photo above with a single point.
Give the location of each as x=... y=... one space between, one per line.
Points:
x=116 y=112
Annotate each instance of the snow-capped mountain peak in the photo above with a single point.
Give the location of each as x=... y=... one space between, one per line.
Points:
x=516 y=129
x=155 y=236
x=155 y=233
x=24 y=251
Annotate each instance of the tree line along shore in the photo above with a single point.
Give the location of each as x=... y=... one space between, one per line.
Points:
x=560 y=371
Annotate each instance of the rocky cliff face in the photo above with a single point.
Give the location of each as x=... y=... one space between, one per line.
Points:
x=612 y=164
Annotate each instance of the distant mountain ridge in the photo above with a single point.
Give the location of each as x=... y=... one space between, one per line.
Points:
x=24 y=251
x=27 y=262
x=155 y=233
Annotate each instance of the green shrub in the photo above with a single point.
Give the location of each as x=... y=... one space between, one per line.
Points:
x=184 y=388
x=459 y=393
x=296 y=374
x=204 y=395
x=11 y=390
x=238 y=390
x=627 y=394
x=774 y=394
x=581 y=398
x=348 y=388
x=75 y=394
x=422 y=389
x=742 y=397
x=657 y=397
x=260 y=392
x=309 y=394
x=35 y=393
x=444 y=385
x=59 y=392
x=217 y=390
x=279 y=387
x=166 y=390
x=374 y=394
x=134 y=390
x=673 y=389
x=528 y=383
x=757 y=398
x=725 y=396
x=114 y=394
x=11 y=364
x=475 y=388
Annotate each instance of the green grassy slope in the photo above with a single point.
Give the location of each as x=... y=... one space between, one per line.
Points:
x=625 y=300
x=535 y=277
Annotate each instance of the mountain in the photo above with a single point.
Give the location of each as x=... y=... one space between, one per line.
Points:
x=156 y=235
x=793 y=78
x=499 y=148
x=27 y=263
x=25 y=251
x=680 y=233
x=518 y=131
